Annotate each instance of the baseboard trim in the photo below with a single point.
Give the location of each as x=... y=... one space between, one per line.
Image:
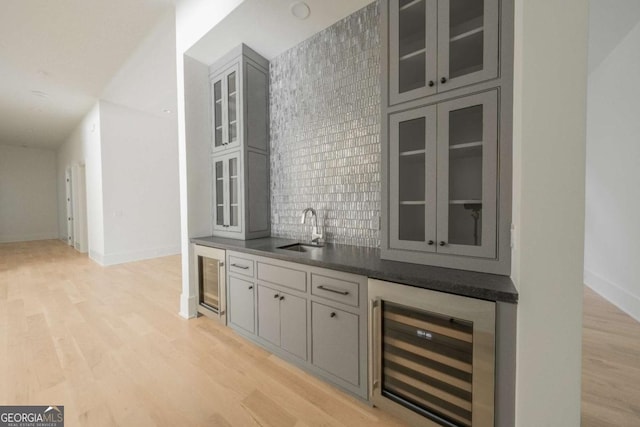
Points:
x=51 y=235
x=615 y=294
x=124 y=257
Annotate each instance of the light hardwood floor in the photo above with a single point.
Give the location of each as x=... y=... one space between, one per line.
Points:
x=108 y=344
x=610 y=365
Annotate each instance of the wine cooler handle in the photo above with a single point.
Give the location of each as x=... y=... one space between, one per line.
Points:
x=374 y=345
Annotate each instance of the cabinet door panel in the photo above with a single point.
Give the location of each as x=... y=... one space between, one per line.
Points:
x=335 y=342
x=219 y=184
x=467 y=175
x=217 y=108
x=467 y=42
x=269 y=314
x=293 y=325
x=412 y=49
x=412 y=185
x=241 y=304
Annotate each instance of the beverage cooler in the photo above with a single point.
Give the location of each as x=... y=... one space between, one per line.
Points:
x=432 y=356
x=210 y=279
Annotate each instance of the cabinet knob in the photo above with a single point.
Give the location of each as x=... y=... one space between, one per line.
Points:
x=442 y=243
x=430 y=242
x=443 y=80
x=432 y=83
x=281 y=298
x=276 y=296
x=250 y=287
x=333 y=314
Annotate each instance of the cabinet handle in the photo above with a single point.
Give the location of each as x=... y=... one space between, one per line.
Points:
x=335 y=291
x=281 y=298
x=276 y=296
x=333 y=314
x=250 y=287
x=443 y=80
x=432 y=83
x=430 y=242
x=442 y=243
x=244 y=267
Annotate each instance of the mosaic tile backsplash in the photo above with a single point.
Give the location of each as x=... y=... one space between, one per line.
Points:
x=325 y=133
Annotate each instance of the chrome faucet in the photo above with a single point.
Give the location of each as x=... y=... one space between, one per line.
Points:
x=315 y=234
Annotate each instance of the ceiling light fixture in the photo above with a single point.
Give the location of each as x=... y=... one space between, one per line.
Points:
x=300 y=10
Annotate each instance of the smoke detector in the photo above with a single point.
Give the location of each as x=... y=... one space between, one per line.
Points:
x=300 y=10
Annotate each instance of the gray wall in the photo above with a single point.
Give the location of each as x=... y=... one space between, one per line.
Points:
x=325 y=133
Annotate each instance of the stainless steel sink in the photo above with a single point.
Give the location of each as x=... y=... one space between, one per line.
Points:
x=301 y=247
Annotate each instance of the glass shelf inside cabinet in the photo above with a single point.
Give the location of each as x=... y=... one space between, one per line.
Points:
x=412 y=182
x=465 y=175
x=412 y=44
x=466 y=31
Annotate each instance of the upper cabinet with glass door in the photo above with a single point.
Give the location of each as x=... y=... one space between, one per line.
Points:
x=439 y=45
x=226 y=102
x=239 y=85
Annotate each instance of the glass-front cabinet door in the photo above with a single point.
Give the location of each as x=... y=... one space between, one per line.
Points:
x=412 y=184
x=226 y=193
x=468 y=33
x=225 y=104
x=467 y=175
x=412 y=49
x=438 y=45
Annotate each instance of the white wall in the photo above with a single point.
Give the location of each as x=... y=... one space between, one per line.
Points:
x=612 y=234
x=82 y=147
x=28 y=194
x=549 y=167
x=140 y=185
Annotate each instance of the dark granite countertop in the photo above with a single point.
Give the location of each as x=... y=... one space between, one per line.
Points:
x=367 y=262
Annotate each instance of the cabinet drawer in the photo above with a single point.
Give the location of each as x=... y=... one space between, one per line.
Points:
x=335 y=289
x=335 y=342
x=288 y=277
x=241 y=266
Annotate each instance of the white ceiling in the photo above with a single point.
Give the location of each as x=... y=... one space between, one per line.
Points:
x=269 y=28
x=56 y=57
x=609 y=22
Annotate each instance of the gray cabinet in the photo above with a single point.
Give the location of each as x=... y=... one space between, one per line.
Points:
x=282 y=320
x=313 y=317
x=239 y=91
x=439 y=45
x=446 y=131
x=227 y=193
x=335 y=342
x=241 y=304
x=443 y=177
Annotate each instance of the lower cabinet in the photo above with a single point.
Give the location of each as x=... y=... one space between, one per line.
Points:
x=335 y=342
x=282 y=320
x=313 y=317
x=241 y=304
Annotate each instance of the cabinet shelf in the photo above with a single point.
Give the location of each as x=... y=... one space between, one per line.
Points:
x=410 y=4
x=218 y=101
x=465 y=202
x=232 y=94
x=413 y=54
x=467 y=28
x=466 y=145
x=412 y=153
x=413 y=203
x=467 y=34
